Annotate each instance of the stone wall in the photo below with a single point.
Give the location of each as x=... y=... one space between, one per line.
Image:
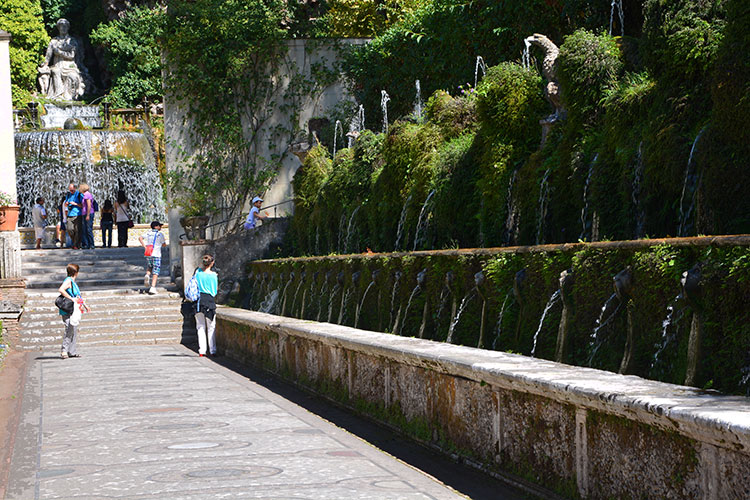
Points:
x=575 y=431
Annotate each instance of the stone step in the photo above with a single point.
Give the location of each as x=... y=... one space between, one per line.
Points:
x=84 y=283
x=101 y=267
x=34 y=336
x=53 y=320
x=113 y=340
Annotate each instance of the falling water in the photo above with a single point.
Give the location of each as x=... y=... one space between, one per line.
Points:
x=511 y=218
x=543 y=203
x=526 y=57
x=270 y=301
x=401 y=221
x=55 y=116
x=467 y=298
x=348 y=243
x=479 y=65
x=499 y=325
x=283 y=293
x=336 y=129
x=408 y=304
x=384 y=98
x=296 y=292
x=357 y=124
x=746 y=379
x=345 y=298
x=362 y=303
x=418 y=105
x=396 y=280
x=596 y=341
x=423 y=220
x=322 y=295
x=552 y=300
x=336 y=288
x=689 y=189
x=46 y=161
x=618 y=5
x=341 y=236
x=585 y=209
x=640 y=213
x=668 y=334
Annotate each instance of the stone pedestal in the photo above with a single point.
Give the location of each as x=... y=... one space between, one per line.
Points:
x=10 y=255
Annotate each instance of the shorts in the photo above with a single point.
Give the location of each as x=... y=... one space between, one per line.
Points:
x=39 y=232
x=153 y=264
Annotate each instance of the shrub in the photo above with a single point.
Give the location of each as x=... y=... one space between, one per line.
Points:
x=588 y=66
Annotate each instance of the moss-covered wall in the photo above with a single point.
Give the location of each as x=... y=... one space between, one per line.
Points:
x=379 y=292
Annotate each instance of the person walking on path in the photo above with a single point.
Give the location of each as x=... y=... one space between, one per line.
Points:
x=87 y=239
x=122 y=216
x=39 y=216
x=107 y=221
x=205 y=306
x=152 y=242
x=73 y=206
x=69 y=289
x=254 y=215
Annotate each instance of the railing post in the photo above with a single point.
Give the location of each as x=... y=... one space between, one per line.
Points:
x=105 y=107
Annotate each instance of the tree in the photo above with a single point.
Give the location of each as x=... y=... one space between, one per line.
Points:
x=23 y=20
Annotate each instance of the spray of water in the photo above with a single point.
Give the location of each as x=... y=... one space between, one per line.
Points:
x=384 y=98
x=689 y=189
x=551 y=302
x=418 y=104
x=423 y=220
x=543 y=205
x=526 y=57
x=617 y=5
x=454 y=322
x=338 y=129
x=585 y=209
x=401 y=221
x=479 y=65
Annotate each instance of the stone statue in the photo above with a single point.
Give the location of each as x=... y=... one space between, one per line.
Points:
x=549 y=70
x=63 y=75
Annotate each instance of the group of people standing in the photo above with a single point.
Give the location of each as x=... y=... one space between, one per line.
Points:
x=76 y=212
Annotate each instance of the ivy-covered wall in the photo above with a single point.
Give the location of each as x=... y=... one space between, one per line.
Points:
x=379 y=292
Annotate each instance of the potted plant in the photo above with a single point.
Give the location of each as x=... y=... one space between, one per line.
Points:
x=8 y=212
x=194 y=220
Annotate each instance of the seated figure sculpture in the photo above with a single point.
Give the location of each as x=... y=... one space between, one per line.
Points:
x=63 y=75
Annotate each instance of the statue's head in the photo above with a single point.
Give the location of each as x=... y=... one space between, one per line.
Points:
x=63 y=26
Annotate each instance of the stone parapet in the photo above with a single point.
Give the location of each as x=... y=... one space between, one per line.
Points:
x=576 y=431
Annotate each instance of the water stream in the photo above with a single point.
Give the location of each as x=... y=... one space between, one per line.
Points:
x=689 y=190
x=401 y=222
x=543 y=205
x=356 y=125
x=418 y=104
x=669 y=330
x=336 y=128
x=348 y=243
x=479 y=65
x=423 y=220
x=597 y=340
x=640 y=212
x=384 y=98
x=499 y=324
x=512 y=215
x=454 y=322
x=335 y=291
x=526 y=57
x=362 y=303
x=551 y=302
x=585 y=210
x=617 y=5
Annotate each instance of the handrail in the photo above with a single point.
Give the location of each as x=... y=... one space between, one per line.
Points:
x=182 y=236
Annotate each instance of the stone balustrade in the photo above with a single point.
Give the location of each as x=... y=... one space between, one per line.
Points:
x=574 y=431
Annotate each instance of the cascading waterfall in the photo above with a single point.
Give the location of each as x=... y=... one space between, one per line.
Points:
x=689 y=190
x=401 y=221
x=479 y=65
x=418 y=104
x=423 y=220
x=543 y=204
x=337 y=128
x=585 y=209
x=47 y=161
x=640 y=212
x=384 y=98
x=617 y=4
x=551 y=302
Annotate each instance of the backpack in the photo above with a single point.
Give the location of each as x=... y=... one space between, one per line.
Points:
x=191 y=290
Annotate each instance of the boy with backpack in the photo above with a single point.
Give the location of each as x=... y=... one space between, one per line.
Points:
x=152 y=242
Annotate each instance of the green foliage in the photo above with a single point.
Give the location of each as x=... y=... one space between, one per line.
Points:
x=132 y=54
x=221 y=54
x=453 y=115
x=23 y=20
x=588 y=66
x=365 y=18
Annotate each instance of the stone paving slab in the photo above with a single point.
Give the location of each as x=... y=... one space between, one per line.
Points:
x=148 y=422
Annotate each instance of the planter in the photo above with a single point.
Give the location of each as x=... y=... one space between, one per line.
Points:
x=9 y=217
x=195 y=227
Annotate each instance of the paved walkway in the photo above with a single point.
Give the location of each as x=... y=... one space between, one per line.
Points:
x=157 y=422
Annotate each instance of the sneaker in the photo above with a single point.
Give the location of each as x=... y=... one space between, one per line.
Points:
x=152 y=291
x=74 y=355
x=64 y=355
x=147 y=280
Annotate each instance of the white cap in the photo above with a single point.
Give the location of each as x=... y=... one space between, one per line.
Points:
x=256 y=199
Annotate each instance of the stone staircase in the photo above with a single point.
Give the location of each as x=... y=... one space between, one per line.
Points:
x=111 y=281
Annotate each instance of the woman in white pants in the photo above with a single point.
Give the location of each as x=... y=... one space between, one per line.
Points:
x=205 y=306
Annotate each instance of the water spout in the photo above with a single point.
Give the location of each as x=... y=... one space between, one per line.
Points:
x=526 y=57
x=361 y=304
x=543 y=204
x=384 y=98
x=347 y=247
x=337 y=128
x=479 y=65
x=418 y=105
x=689 y=190
x=551 y=302
x=617 y=4
x=423 y=220
x=401 y=221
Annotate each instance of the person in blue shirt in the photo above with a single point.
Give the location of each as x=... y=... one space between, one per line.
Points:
x=252 y=218
x=205 y=306
x=69 y=289
x=73 y=205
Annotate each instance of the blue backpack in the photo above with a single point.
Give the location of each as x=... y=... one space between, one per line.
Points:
x=191 y=290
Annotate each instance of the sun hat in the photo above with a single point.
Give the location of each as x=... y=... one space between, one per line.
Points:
x=156 y=223
x=256 y=199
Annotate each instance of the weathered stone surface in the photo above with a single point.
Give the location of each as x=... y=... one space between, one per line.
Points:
x=609 y=435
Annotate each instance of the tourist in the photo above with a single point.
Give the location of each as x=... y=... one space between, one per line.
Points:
x=73 y=205
x=61 y=236
x=69 y=289
x=254 y=215
x=205 y=306
x=106 y=223
x=39 y=216
x=122 y=216
x=87 y=238
x=153 y=241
